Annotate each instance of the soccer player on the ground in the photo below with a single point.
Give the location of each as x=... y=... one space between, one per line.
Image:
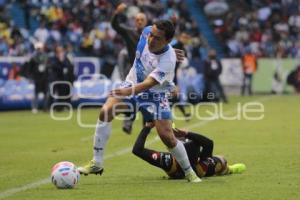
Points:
x=199 y=150
x=148 y=82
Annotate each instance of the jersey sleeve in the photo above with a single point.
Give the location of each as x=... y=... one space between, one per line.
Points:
x=166 y=69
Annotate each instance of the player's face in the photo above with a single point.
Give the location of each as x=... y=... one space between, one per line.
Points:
x=156 y=40
x=140 y=21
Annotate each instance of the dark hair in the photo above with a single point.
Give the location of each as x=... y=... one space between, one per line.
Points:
x=166 y=26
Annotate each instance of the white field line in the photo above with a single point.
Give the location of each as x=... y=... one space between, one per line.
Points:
x=12 y=191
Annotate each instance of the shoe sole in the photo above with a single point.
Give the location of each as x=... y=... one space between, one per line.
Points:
x=194 y=181
x=96 y=173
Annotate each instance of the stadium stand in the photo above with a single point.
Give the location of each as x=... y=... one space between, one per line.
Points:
x=262 y=25
x=83 y=27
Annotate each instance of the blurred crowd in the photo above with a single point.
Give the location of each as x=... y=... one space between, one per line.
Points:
x=261 y=25
x=249 y=29
x=83 y=27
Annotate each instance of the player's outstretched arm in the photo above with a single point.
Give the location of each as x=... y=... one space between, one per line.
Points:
x=148 y=83
x=139 y=145
x=149 y=155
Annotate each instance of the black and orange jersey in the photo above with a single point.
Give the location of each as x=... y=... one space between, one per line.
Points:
x=199 y=150
x=174 y=171
x=211 y=166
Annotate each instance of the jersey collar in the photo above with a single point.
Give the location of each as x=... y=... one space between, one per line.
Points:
x=166 y=48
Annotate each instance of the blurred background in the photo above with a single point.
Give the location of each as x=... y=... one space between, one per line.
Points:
x=232 y=47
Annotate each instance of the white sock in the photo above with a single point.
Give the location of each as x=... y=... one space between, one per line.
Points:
x=180 y=155
x=102 y=133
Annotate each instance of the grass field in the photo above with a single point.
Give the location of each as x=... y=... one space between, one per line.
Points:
x=31 y=144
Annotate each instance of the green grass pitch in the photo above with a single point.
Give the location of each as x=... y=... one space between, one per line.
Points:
x=31 y=144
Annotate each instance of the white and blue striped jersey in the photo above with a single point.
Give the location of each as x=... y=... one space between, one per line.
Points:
x=161 y=67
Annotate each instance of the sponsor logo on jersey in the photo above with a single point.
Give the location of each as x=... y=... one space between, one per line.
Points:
x=154 y=156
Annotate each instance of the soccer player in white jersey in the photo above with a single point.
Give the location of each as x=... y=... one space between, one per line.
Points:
x=145 y=89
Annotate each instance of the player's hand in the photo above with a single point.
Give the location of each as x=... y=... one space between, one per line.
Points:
x=175 y=92
x=121 y=8
x=179 y=55
x=121 y=92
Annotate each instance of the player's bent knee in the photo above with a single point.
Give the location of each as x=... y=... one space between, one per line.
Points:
x=169 y=140
x=105 y=114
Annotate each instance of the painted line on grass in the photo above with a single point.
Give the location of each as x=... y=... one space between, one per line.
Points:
x=44 y=181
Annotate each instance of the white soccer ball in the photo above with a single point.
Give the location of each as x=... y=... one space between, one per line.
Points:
x=64 y=175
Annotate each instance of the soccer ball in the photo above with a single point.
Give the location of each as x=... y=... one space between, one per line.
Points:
x=64 y=175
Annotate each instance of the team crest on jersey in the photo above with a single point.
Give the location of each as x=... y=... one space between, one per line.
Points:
x=161 y=75
x=150 y=109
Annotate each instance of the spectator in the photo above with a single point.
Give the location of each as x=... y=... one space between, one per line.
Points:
x=108 y=52
x=249 y=64
x=4 y=49
x=14 y=72
x=212 y=71
x=60 y=69
x=38 y=72
x=197 y=63
x=42 y=33
x=183 y=39
x=130 y=35
x=189 y=85
x=181 y=44
x=278 y=81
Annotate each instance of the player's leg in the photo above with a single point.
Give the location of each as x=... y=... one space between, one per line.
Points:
x=243 y=88
x=221 y=92
x=128 y=122
x=250 y=84
x=34 y=102
x=102 y=134
x=164 y=129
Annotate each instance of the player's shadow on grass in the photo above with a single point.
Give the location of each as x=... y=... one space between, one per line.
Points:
x=138 y=180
